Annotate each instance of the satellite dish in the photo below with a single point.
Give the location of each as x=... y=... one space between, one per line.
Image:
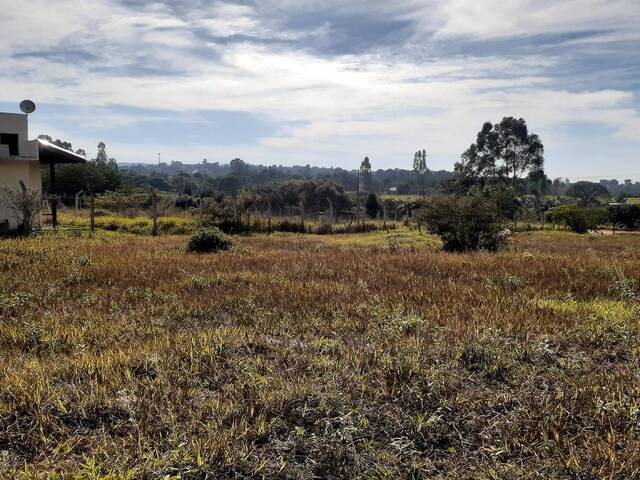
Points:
x=27 y=106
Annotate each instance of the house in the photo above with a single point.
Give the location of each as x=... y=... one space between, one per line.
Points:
x=21 y=163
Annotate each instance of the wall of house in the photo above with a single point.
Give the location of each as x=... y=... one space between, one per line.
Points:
x=11 y=172
x=15 y=123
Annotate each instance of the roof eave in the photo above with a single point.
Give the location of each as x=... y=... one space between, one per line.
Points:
x=53 y=154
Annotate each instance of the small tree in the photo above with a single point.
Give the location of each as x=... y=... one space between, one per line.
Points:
x=587 y=192
x=578 y=219
x=464 y=223
x=372 y=206
x=25 y=205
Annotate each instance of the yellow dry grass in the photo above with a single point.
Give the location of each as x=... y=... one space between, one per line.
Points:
x=318 y=357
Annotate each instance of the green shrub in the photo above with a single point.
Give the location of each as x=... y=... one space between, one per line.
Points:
x=627 y=215
x=324 y=229
x=578 y=219
x=464 y=223
x=209 y=240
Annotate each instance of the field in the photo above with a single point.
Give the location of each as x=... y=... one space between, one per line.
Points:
x=347 y=356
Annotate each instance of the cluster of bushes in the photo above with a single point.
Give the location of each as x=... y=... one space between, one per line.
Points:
x=477 y=221
x=582 y=219
x=578 y=219
x=627 y=216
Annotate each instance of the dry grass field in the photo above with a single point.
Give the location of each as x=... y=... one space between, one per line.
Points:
x=370 y=356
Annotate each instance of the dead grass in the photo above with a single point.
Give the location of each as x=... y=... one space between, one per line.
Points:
x=293 y=356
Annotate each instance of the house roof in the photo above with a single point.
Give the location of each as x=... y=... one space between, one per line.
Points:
x=50 y=153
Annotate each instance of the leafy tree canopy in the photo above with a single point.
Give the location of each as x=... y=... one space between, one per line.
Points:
x=587 y=192
x=504 y=151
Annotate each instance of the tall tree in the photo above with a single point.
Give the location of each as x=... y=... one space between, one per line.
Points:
x=365 y=174
x=504 y=151
x=587 y=192
x=238 y=167
x=420 y=162
x=102 y=156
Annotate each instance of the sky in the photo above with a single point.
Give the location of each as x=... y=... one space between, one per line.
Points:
x=326 y=82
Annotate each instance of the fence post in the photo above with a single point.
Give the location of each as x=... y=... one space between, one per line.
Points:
x=77 y=203
x=330 y=215
x=54 y=197
x=269 y=214
x=384 y=215
x=92 y=210
x=302 y=216
x=154 y=214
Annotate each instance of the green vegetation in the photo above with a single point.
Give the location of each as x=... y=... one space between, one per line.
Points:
x=209 y=240
x=402 y=198
x=136 y=225
x=464 y=223
x=578 y=219
x=340 y=356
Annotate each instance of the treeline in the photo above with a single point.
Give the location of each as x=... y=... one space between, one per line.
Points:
x=206 y=179
x=619 y=189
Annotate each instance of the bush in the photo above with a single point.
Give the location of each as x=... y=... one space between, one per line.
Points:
x=208 y=240
x=324 y=229
x=464 y=223
x=578 y=219
x=627 y=215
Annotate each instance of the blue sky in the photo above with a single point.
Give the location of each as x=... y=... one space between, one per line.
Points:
x=328 y=82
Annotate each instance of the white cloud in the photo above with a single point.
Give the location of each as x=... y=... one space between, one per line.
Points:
x=517 y=18
x=383 y=103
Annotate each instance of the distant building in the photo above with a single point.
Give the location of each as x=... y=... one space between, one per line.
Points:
x=21 y=162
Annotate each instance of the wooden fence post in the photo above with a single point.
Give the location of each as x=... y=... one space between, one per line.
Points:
x=154 y=213
x=384 y=215
x=77 y=203
x=235 y=212
x=92 y=210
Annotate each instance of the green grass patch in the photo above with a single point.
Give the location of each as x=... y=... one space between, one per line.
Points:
x=400 y=239
x=138 y=225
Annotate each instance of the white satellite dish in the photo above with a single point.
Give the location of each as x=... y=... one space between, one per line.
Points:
x=27 y=106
